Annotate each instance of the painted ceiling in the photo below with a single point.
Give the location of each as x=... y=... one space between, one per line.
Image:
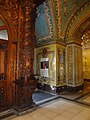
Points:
x=55 y=18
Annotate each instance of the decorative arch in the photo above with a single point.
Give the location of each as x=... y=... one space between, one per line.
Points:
x=9 y=26
x=11 y=37
x=76 y=21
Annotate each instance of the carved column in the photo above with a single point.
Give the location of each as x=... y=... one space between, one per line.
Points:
x=74 y=76
x=27 y=42
x=25 y=85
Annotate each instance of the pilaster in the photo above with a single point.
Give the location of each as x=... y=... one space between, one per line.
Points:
x=74 y=71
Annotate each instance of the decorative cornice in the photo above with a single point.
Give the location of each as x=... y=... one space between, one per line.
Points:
x=53 y=41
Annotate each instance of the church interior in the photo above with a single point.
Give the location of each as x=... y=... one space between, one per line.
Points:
x=44 y=50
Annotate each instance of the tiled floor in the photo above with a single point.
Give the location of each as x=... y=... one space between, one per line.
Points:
x=59 y=109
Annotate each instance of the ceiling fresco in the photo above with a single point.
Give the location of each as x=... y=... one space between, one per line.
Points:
x=55 y=18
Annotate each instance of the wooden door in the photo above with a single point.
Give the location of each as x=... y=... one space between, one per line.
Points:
x=6 y=83
x=3 y=75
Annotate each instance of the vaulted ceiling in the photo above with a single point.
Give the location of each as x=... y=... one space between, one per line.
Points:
x=57 y=20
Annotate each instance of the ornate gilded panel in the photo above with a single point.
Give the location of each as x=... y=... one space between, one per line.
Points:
x=60 y=65
x=69 y=63
x=78 y=65
x=74 y=65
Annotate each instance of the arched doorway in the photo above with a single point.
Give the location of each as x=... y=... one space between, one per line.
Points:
x=6 y=65
x=76 y=29
x=83 y=33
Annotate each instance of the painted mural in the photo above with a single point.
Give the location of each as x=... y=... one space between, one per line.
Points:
x=43 y=24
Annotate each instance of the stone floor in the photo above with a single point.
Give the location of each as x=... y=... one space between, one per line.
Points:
x=59 y=109
x=82 y=96
x=87 y=100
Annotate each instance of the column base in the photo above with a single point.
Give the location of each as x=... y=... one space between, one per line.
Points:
x=60 y=89
x=21 y=110
x=48 y=88
x=74 y=89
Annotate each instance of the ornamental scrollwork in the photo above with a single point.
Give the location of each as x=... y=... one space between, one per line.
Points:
x=12 y=10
